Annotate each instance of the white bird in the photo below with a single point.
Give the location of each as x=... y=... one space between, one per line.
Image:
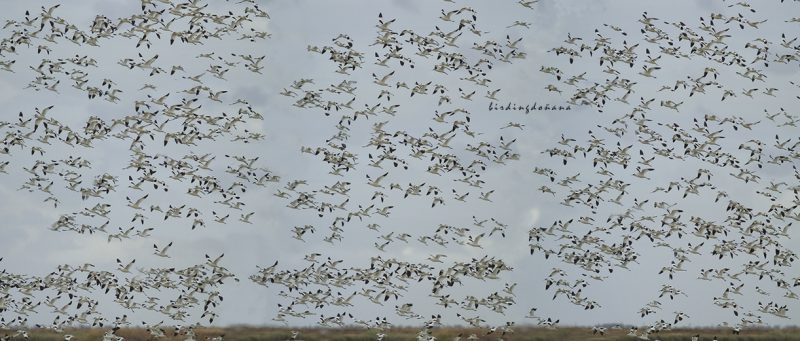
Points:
x=377 y=181
x=136 y=204
x=162 y=252
x=127 y=267
x=437 y=258
x=245 y=218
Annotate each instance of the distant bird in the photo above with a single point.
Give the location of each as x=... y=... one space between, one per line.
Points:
x=163 y=251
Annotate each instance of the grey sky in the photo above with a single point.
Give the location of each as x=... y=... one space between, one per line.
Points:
x=31 y=248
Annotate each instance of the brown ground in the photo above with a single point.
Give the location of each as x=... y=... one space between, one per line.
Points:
x=442 y=334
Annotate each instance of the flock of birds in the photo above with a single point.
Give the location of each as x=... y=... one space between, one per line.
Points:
x=161 y=130
x=753 y=234
x=617 y=206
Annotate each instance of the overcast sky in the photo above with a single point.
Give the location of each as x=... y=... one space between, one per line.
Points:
x=30 y=247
